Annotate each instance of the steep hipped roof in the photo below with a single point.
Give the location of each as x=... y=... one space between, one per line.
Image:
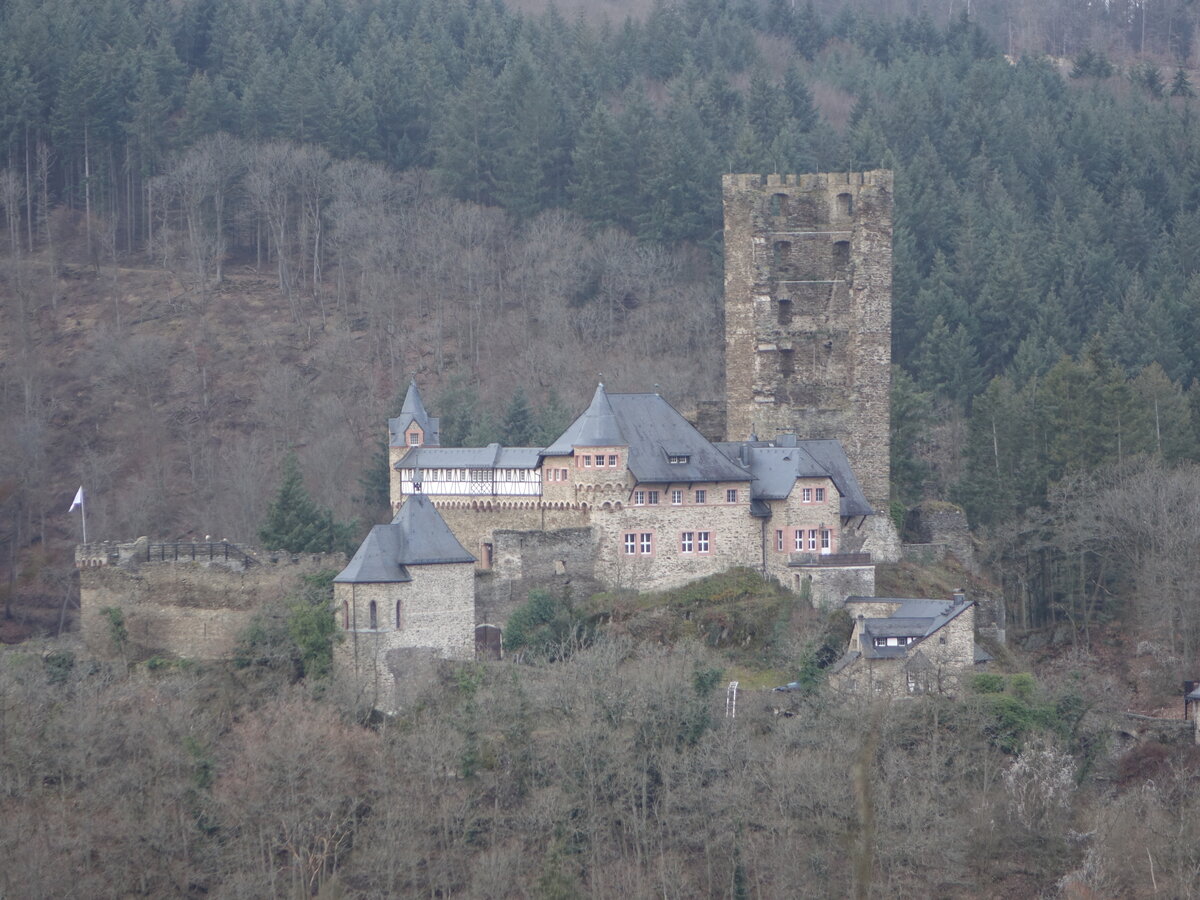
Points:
x=417 y=536
x=654 y=432
x=493 y=456
x=777 y=464
x=413 y=410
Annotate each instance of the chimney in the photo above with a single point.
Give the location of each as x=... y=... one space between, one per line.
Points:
x=960 y=597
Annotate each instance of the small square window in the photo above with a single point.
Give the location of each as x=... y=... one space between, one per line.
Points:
x=630 y=544
x=612 y=462
x=686 y=542
x=820 y=495
x=701 y=496
x=414 y=438
x=702 y=541
x=646 y=544
x=731 y=495
x=676 y=498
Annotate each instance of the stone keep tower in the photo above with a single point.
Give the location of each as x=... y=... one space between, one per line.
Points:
x=808 y=313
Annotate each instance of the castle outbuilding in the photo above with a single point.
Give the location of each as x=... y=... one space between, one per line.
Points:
x=406 y=598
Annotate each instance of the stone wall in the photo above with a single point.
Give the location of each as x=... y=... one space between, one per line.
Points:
x=828 y=586
x=938 y=522
x=808 y=284
x=185 y=608
x=390 y=662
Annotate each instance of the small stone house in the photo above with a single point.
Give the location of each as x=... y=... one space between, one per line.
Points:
x=906 y=646
x=406 y=599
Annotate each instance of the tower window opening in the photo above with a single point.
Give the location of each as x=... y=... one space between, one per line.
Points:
x=841 y=254
x=780 y=254
x=787 y=363
x=845 y=205
x=785 y=310
x=779 y=204
x=374 y=616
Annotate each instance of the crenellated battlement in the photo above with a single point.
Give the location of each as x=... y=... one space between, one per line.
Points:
x=810 y=181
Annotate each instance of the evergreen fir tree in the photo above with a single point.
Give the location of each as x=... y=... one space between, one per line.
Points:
x=295 y=523
x=518 y=427
x=1181 y=85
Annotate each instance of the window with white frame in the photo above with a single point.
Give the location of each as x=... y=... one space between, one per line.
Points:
x=652 y=498
x=630 y=544
x=612 y=461
x=820 y=495
x=587 y=460
x=701 y=496
x=414 y=438
x=812 y=539
x=646 y=543
x=826 y=539
x=676 y=498
x=799 y=545
x=702 y=541
x=806 y=495
x=779 y=540
x=677 y=459
x=731 y=495
x=639 y=498
x=687 y=542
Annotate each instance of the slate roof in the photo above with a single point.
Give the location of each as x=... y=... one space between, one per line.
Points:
x=417 y=536
x=493 y=456
x=913 y=618
x=654 y=431
x=777 y=464
x=414 y=409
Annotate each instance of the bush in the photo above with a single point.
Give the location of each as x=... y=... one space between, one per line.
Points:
x=546 y=627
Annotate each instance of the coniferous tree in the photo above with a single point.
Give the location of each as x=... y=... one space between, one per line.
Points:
x=295 y=523
x=518 y=427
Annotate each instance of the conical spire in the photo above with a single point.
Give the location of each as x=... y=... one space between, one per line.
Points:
x=596 y=427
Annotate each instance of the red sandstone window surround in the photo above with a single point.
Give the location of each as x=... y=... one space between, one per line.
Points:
x=779 y=540
x=676 y=498
x=731 y=495
x=701 y=496
x=820 y=495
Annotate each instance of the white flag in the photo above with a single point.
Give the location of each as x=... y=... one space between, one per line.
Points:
x=78 y=502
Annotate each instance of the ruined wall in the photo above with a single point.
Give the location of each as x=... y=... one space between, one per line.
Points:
x=391 y=662
x=935 y=522
x=808 y=293
x=828 y=586
x=185 y=608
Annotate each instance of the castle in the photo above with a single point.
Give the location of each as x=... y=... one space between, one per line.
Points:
x=790 y=479
x=787 y=474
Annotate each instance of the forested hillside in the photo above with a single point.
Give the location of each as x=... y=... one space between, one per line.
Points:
x=511 y=202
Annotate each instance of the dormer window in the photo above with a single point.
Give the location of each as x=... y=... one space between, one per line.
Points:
x=678 y=459
x=414 y=438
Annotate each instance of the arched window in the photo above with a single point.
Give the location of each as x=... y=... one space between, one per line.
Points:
x=398 y=614
x=374 y=616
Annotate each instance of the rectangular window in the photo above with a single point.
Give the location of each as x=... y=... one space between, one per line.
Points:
x=639 y=498
x=820 y=495
x=686 y=541
x=825 y=539
x=812 y=539
x=676 y=460
x=779 y=540
x=587 y=461
x=414 y=439
x=702 y=541
x=676 y=498
x=564 y=474
x=630 y=544
x=612 y=462
x=731 y=495
x=806 y=495
x=652 y=498
x=701 y=496
x=799 y=539
x=646 y=545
